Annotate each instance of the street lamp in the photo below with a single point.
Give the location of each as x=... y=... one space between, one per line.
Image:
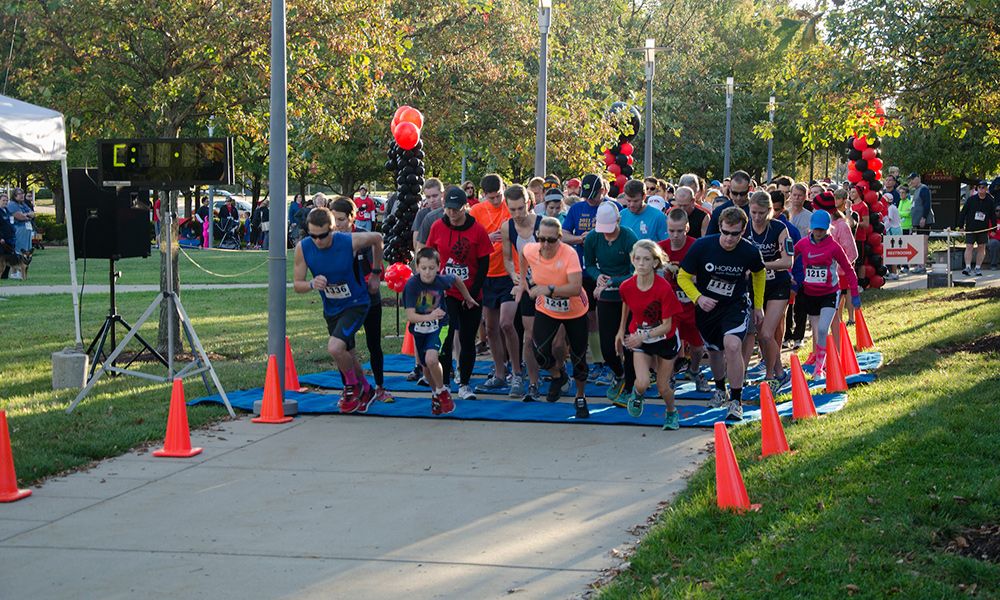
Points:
x=770 y=141
x=649 y=51
x=544 y=20
x=730 y=86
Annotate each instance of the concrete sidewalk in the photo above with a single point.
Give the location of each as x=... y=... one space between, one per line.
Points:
x=349 y=506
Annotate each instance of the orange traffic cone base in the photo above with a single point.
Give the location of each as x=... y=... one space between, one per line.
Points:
x=271 y=410
x=177 y=453
x=261 y=419
x=740 y=511
x=15 y=495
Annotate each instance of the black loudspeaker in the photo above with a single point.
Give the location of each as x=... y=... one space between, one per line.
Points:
x=108 y=223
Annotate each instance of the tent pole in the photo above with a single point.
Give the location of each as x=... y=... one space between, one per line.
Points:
x=72 y=255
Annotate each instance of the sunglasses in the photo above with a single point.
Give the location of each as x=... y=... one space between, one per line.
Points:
x=321 y=236
x=734 y=193
x=731 y=233
x=551 y=240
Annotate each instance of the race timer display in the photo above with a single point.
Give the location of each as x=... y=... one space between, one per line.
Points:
x=165 y=163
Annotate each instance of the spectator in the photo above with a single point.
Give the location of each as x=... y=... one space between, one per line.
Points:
x=7 y=233
x=921 y=211
x=470 y=193
x=366 y=210
x=293 y=226
x=202 y=216
x=572 y=187
x=265 y=223
x=993 y=244
x=976 y=218
x=22 y=216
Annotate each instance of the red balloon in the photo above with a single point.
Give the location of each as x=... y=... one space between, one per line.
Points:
x=871 y=197
x=869 y=271
x=627 y=149
x=877 y=249
x=412 y=115
x=860 y=144
x=395 y=116
x=620 y=181
x=407 y=135
x=854 y=175
x=876 y=282
x=850 y=165
x=609 y=159
x=629 y=160
x=868 y=154
x=874 y=239
x=614 y=169
x=875 y=164
x=878 y=173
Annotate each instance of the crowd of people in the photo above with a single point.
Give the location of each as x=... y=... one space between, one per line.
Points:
x=627 y=292
x=17 y=227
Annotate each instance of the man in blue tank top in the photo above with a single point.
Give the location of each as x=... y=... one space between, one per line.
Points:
x=329 y=256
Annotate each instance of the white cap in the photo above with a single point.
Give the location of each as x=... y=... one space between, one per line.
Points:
x=657 y=202
x=607 y=217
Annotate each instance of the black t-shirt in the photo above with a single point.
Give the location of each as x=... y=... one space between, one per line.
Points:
x=722 y=274
x=696 y=220
x=713 y=225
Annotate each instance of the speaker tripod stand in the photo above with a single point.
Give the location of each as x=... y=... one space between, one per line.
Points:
x=200 y=365
x=96 y=349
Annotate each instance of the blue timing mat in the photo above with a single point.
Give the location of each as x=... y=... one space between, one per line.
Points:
x=538 y=412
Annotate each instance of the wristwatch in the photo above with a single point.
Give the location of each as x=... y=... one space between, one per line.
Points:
x=377 y=270
x=552 y=289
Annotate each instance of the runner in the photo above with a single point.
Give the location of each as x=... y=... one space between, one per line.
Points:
x=776 y=248
x=465 y=248
x=343 y=219
x=676 y=247
x=723 y=310
x=976 y=219
x=329 y=255
x=560 y=300
x=646 y=222
x=652 y=333
x=840 y=231
x=819 y=253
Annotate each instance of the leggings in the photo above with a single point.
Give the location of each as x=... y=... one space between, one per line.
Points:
x=609 y=317
x=373 y=336
x=466 y=320
x=544 y=333
x=795 y=320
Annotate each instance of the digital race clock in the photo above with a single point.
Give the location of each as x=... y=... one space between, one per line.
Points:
x=165 y=163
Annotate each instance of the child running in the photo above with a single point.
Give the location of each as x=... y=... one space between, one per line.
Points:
x=651 y=334
x=423 y=298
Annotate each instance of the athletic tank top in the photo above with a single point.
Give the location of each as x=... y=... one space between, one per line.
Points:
x=345 y=285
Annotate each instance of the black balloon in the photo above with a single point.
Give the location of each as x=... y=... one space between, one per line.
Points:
x=411 y=178
x=627 y=170
x=861 y=165
x=868 y=176
x=616 y=149
x=882 y=270
x=414 y=162
x=419 y=170
x=407 y=170
x=874 y=142
x=863 y=282
x=627 y=125
x=868 y=249
x=621 y=160
x=850 y=143
x=419 y=146
x=402 y=189
x=876 y=186
x=419 y=154
x=407 y=154
x=390 y=165
x=854 y=154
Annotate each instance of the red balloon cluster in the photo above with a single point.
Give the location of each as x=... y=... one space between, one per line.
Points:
x=618 y=159
x=864 y=159
x=397 y=275
x=864 y=168
x=406 y=124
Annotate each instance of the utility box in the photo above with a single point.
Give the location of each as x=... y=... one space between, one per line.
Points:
x=938 y=280
x=69 y=369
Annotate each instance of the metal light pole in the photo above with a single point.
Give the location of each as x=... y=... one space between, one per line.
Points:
x=211 y=198
x=729 y=121
x=544 y=19
x=649 y=52
x=770 y=141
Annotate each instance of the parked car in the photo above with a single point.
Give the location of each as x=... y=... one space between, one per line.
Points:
x=242 y=205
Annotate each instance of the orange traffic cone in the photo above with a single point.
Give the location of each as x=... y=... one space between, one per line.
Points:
x=271 y=410
x=802 y=401
x=178 y=444
x=291 y=375
x=408 y=348
x=848 y=359
x=728 y=479
x=835 y=381
x=772 y=434
x=861 y=331
x=8 y=479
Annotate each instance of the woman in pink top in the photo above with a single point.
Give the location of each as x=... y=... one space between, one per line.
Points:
x=840 y=230
x=822 y=260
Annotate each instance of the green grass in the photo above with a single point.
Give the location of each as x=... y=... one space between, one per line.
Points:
x=874 y=492
x=124 y=412
x=51 y=267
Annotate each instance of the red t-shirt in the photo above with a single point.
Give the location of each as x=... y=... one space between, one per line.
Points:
x=862 y=209
x=652 y=306
x=675 y=257
x=366 y=209
x=460 y=251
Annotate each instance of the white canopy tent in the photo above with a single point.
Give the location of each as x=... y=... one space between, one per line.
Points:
x=30 y=133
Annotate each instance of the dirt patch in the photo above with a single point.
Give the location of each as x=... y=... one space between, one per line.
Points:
x=987 y=343
x=986 y=293
x=981 y=544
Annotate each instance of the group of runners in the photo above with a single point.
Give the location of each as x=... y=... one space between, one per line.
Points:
x=628 y=285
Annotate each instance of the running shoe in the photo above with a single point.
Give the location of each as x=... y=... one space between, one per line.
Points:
x=699 y=382
x=367 y=397
x=465 y=393
x=652 y=379
x=516 y=386
x=493 y=385
x=532 y=394
x=757 y=370
x=447 y=404
x=436 y=404
x=422 y=382
x=617 y=393
x=735 y=412
x=582 y=412
x=681 y=364
x=978 y=272
x=606 y=377
x=966 y=271
x=556 y=385
x=482 y=348
x=673 y=421
x=351 y=399
x=594 y=372
x=415 y=374
x=383 y=395
x=785 y=379
x=810 y=360
x=719 y=398
x=565 y=387
x=894 y=276
x=635 y=404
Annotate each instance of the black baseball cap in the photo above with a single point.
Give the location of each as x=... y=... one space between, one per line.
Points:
x=456 y=198
x=591 y=186
x=914 y=174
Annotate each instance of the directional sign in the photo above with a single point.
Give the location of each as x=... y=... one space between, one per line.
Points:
x=904 y=249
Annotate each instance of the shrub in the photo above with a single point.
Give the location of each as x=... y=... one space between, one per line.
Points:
x=52 y=232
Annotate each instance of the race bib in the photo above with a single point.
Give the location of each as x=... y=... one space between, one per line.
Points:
x=13 y=221
x=682 y=296
x=265 y=226
x=980 y=216
x=426 y=327
x=643 y=331
x=337 y=291
x=817 y=274
x=557 y=304
x=27 y=225
x=459 y=271
x=769 y=275
x=721 y=287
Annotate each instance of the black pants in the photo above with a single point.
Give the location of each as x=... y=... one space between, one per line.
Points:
x=466 y=320
x=609 y=317
x=544 y=334
x=795 y=320
x=373 y=337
